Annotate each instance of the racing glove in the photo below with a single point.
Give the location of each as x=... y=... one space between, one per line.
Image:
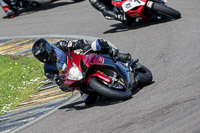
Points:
x=60 y=82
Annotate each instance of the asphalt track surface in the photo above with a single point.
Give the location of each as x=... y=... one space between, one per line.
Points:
x=170 y=49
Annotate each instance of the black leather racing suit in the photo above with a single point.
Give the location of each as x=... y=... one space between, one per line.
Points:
x=104 y=6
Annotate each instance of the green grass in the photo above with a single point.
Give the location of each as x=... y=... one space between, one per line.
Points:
x=19 y=77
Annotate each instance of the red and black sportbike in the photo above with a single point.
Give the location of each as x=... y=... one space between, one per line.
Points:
x=104 y=75
x=136 y=10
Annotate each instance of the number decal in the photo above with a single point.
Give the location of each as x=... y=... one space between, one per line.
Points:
x=149 y=4
x=128 y=5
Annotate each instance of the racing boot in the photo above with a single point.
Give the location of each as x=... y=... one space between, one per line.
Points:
x=10 y=13
x=123 y=57
x=7 y=9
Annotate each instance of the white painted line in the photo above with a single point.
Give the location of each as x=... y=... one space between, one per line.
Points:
x=54 y=36
x=50 y=36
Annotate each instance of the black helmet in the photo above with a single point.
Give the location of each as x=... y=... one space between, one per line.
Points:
x=43 y=50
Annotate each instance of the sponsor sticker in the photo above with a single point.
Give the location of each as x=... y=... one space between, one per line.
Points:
x=128 y=5
x=149 y=4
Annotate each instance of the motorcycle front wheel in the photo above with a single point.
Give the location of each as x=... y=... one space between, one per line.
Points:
x=99 y=87
x=164 y=10
x=129 y=20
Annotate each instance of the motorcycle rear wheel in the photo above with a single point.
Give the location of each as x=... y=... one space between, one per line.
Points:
x=145 y=76
x=164 y=10
x=109 y=92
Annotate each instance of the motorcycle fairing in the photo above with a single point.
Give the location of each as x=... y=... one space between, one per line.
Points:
x=118 y=67
x=84 y=62
x=131 y=4
x=71 y=62
x=133 y=8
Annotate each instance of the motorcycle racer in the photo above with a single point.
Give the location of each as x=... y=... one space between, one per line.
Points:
x=106 y=8
x=55 y=60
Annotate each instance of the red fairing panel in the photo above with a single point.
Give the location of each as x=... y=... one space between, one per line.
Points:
x=99 y=75
x=76 y=60
x=136 y=13
x=96 y=60
x=87 y=59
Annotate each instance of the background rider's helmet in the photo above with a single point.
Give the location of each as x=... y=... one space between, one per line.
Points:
x=43 y=51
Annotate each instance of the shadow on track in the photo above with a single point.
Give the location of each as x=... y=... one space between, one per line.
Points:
x=80 y=105
x=120 y=27
x=103 y=101
x=27 y=11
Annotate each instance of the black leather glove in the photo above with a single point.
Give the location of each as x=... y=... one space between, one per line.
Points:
x=63 y=87
x=124 y=57
x=60 y=82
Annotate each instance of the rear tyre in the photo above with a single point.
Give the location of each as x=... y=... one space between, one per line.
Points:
x=145 y=76
x=164 y=10
x=109 y=92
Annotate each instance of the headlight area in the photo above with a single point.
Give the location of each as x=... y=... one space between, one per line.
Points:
x=75 y=73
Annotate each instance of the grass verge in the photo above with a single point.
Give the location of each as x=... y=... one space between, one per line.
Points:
x=19 y=77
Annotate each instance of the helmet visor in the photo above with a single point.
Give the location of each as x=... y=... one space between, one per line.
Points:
x=43 y=56
x=43 y=51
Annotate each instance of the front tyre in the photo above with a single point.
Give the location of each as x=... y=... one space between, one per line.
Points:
x=164 y=10
x=129 y=20
x=109 y=92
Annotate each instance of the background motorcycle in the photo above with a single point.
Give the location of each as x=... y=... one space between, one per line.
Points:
x=101 y=74
x=23 y=4
x=136 y=10
x=32 y=3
